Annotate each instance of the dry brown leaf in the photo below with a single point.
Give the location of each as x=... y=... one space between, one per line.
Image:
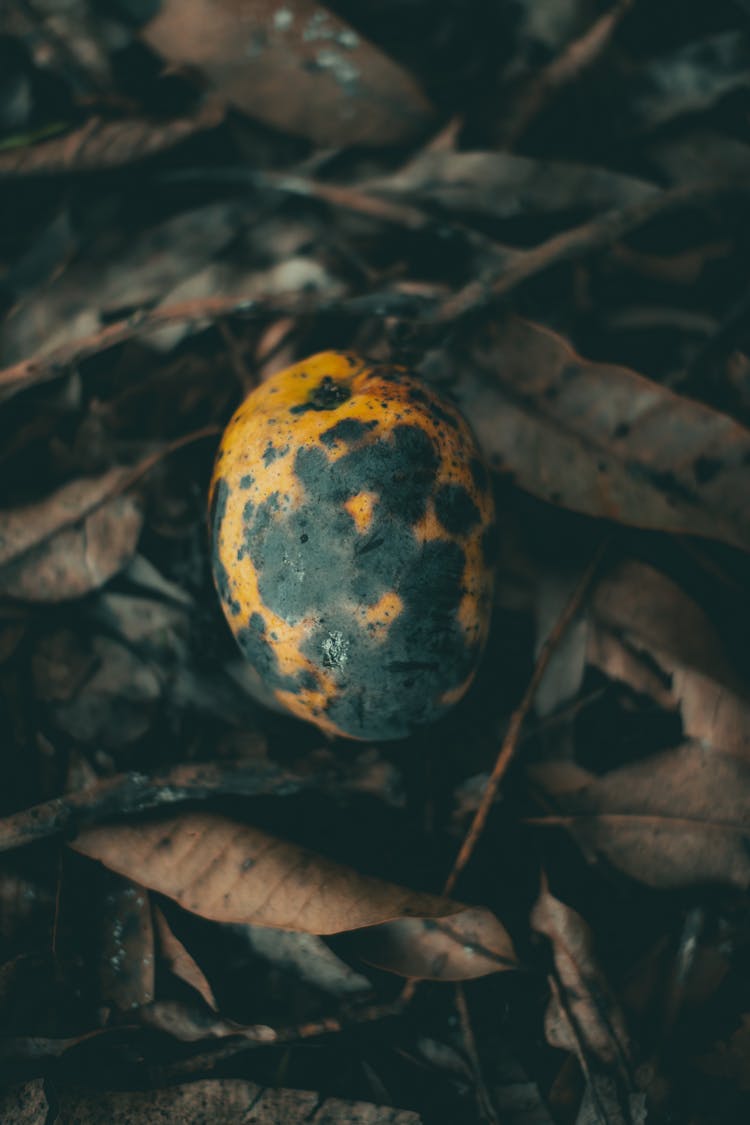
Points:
x=180 y=961
x=232 y=872
x=605 y=441
x=294 y=65
x=589 y=1017
x=647 y=632
x=465 y=946
x=671 y=820
x=230 y=1101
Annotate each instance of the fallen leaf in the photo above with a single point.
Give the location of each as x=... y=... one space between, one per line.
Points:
x=293 y=65
x=584 y=1017
x=232 y=872
x=603 y=440
x=467 y=945
x=504 y=185
x=307 y=958
x=180 y=961
x=646 y=631
x=589 y=1017
x=675 y=819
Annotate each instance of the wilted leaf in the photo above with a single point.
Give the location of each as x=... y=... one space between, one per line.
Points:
x=505 y=185
x=675 y=819
x=465 y=946
x=294 y=65
x=222 y=1102
x=232 y=872
x=605 y=441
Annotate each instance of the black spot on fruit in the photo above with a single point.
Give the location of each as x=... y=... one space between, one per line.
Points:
x=348 y=430
x=260 y=652
x=478 y=473
x=455 y=509
x=271 y=453
x=247 y=481
x=327 y=395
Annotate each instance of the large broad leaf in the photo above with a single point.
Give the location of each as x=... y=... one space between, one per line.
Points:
x=603 y=440
x=232 y=872
x=294 y=65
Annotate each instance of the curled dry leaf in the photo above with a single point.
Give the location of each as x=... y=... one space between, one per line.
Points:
x=589 y=1018
x=232 y=872
x=180 y=960
x=295 y=65
x=464 y=946
x=675 y=819
x=603 y=440
x=647 y=632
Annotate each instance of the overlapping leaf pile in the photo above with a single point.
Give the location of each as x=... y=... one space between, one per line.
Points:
x=206 y=908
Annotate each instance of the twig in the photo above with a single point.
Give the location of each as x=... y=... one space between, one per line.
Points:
x=577 y=57
x=574 y=243
x=484 y=1101
x=54 y=364
x=102 y=144
x=510 y=742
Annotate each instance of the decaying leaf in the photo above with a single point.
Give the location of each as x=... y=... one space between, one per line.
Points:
x=232 y=872
x=295 y=65
x=605 y=441
x=126 y=961
x=307 y=958
x=675 y=819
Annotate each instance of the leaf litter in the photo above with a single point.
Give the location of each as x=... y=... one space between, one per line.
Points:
x=543 y=208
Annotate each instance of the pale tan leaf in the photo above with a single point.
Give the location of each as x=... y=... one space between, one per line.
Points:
x=295 y=65
x=232 y=872
x=470 y=944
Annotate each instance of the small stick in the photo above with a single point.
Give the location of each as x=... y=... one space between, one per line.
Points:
x=510 y=742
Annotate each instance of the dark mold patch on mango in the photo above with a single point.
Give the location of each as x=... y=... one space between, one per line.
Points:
x=215 y=518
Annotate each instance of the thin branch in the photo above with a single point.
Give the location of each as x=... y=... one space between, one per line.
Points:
x=510 y=742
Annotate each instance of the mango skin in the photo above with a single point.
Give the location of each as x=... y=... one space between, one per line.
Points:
x=352 y=534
